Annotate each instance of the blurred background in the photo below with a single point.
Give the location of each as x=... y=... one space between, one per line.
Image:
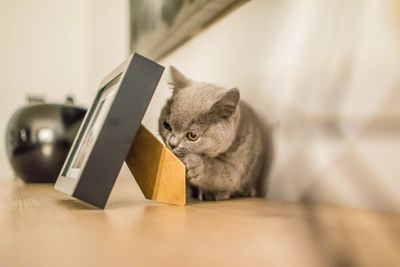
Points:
x=324 y=74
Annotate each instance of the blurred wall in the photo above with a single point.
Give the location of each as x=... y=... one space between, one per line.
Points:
x=54 y=48
x=326 y=75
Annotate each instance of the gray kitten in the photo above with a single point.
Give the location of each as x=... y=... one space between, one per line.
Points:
x=218 y=138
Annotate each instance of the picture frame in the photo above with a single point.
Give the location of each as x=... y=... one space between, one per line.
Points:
x=108 y=130
x=159 y=27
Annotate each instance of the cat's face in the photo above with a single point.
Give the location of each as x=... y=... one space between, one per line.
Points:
x=199 y=118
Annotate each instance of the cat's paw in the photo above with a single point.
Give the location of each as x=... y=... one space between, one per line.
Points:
x=222 y=196
x=194 y=168
x=216 y=196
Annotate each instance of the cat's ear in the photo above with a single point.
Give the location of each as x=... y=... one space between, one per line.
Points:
x=226 y=105
x=178 y=80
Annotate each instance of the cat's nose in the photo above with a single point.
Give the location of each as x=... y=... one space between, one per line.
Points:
x=172 y=146
x=173 y=142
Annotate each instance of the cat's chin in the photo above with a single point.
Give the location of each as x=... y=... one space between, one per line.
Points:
x=179 y=154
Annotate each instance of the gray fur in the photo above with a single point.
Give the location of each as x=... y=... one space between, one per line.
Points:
x=227 y=158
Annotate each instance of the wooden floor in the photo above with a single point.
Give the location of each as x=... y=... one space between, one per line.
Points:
x=43 y=227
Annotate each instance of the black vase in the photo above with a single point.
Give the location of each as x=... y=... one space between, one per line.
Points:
x=38 y=138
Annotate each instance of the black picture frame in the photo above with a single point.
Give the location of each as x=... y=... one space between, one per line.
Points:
x=108 y=130
x=159 y=27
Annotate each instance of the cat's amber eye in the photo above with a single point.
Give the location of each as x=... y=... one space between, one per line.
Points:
x=192 y=136
x=167 y=126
